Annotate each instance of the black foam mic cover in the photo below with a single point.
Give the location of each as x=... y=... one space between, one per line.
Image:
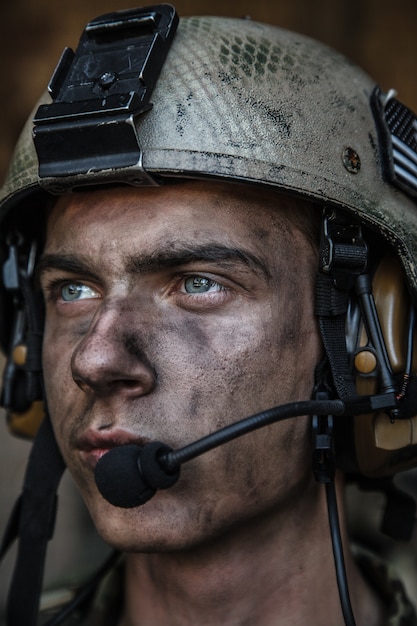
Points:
x=119 y=479
x=128 y=476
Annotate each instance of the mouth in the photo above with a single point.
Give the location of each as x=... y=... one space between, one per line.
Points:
x=93 y=445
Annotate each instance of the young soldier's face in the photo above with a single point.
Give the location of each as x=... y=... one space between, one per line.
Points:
x=170 y=313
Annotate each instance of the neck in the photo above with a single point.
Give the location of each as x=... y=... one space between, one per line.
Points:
x=266 y=572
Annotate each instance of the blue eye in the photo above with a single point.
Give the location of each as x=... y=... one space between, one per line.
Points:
x=200 y=284
x=77 y=291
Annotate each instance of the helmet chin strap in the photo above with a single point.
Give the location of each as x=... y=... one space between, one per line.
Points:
x=32 y=523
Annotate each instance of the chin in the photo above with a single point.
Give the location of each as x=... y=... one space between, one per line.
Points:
x=160 y=525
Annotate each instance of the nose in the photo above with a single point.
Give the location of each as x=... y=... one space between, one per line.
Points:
x=110 y=359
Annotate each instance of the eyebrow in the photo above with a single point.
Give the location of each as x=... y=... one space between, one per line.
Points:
x=176 y=255
x=65 y=262
x=173 y=255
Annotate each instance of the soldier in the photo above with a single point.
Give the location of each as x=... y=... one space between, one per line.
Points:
x=209 y=241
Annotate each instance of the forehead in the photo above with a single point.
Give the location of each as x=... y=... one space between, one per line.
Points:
x=197 y=211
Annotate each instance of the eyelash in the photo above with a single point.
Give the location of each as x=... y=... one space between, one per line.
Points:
x=53 y=288
x=210 y=282
x=212 y=298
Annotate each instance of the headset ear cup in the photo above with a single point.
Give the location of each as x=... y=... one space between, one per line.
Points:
x=24 y=400
x=383 y=446
x=22 y=395
x=26 y=424
x=22 y=388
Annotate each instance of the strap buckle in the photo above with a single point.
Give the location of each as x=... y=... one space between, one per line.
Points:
x=324 y=464
x=343 y=251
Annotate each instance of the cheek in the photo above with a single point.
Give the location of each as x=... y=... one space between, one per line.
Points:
x=60 y=388
x=210 y=358
x=228 y=369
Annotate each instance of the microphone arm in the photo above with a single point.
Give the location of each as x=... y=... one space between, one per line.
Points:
x=173 y=459
x=129 y=475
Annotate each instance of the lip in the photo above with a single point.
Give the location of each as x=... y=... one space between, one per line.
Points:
x=92 y=445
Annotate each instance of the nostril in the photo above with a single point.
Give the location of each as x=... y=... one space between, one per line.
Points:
x=80 y=383
x=129 y=384
x=104 y=381
x=132 y=387
x=127 y=387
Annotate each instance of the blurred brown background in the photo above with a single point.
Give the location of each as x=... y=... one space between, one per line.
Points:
x=379 y=35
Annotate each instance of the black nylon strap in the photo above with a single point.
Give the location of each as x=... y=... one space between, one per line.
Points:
x=12 y=528
x=36 y=516
x=331 y=307
x=34 y=351
x=330 y=301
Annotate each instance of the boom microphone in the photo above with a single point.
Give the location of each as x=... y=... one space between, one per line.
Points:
x=128 y=476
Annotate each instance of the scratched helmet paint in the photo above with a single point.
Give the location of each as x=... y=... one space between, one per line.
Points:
x=244 y=102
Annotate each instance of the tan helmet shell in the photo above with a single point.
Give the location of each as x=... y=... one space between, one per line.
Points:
x=254 y=103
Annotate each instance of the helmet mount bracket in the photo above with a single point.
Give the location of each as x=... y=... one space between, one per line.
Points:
x=89 y=130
